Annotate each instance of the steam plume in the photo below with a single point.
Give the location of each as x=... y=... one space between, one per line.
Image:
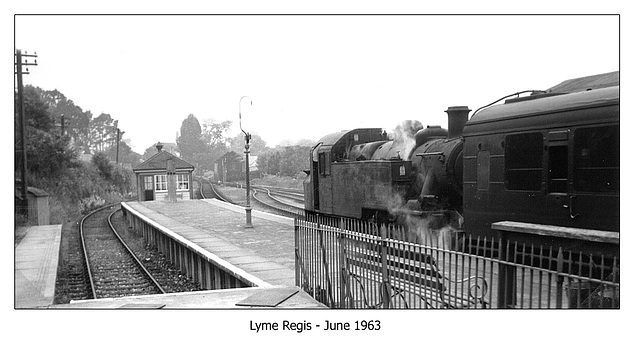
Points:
x=404 y=137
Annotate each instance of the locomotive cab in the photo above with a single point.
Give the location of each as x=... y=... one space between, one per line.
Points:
x=350 y=177
x=331 y=149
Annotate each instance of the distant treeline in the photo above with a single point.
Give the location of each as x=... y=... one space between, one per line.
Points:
x=54 y=151
x=87 y=134
x=203 y=144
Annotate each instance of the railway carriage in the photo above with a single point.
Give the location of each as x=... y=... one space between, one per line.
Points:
x=548 y=159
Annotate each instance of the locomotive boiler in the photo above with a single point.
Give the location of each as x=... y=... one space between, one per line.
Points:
x=548 y=158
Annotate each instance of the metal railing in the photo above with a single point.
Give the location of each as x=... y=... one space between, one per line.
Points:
x=352 y=264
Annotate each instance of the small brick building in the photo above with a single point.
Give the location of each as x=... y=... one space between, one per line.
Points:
x=164 y=175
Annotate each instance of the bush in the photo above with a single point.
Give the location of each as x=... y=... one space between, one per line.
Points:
x=80 y=189
x=88 y=204
x=101 y=161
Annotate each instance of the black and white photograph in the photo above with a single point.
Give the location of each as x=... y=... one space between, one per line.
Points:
x=307 y=178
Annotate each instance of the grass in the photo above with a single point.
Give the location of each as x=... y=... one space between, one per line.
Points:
x=279 y=181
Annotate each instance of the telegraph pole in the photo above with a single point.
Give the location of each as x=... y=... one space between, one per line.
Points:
x=23 y=148
x=118 y=135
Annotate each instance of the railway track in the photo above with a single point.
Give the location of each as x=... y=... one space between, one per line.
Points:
x=112 y=267
x=281 y=201
x=293 y=195
x=277 y=203
x=207 y=191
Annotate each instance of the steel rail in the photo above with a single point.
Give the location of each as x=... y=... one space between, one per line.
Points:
x=272 y=195
x=132 y=254
x=84 y=246
x=217 y=194
x=287 y=210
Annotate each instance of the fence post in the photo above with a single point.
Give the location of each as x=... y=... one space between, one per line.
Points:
x=325 y=266
x=559 y=278
x=384 y=286
x=296 y=240
x=344 y=276
x=506 y=274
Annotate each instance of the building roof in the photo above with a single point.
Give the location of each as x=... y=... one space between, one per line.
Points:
x=587 y=83
x=37 y=192
x=229 y=155
x=159 y=162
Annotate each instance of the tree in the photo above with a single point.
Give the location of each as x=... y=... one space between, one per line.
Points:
x=101 y=161
x=77 y=121
x=284 y=160
x=126 y=154
x=258 y=146
x=150 y=151
x=48 y=153
x=190 y=141
x=102 y=131
x=36 y=110
x=213 y=133
x=213 y=136
x=301 y=142
x=294 y=160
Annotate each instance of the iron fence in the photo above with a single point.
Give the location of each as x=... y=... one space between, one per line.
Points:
x=353 y=264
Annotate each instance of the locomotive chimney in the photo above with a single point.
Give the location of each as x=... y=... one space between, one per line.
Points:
x=159 y=146
x=458 y=117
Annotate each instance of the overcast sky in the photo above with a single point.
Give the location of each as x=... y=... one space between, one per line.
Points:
x=306 y=76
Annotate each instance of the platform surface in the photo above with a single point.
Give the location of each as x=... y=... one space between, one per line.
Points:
x=36 y=266
x=265 y=251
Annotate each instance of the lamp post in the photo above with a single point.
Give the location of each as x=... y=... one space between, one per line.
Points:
x=247 y=138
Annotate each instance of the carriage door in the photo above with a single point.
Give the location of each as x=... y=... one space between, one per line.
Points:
x=595 y=196
x=558 y=176
x=148 y=188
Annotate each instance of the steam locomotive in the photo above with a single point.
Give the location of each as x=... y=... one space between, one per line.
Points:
x=552 y=157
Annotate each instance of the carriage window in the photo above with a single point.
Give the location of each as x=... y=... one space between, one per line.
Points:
x=523 y=161
x=597 y=159
x=558 y=169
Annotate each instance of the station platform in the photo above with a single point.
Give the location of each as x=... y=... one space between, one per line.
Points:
x=242 y=298
x=36 y=266
x=266 y=251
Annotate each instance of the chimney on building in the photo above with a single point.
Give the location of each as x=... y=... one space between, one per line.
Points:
x=159 y=146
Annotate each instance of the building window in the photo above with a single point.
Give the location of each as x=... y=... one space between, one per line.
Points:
x=148 y=183
x=523 y=161
x=182 y=181
x=597 y=159
x=161 y=182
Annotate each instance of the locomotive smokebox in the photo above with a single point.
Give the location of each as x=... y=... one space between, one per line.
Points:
x=458 y=117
